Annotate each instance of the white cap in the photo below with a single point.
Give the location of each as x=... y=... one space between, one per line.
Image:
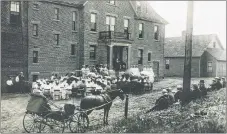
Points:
x=164 y=91
x=179 y=86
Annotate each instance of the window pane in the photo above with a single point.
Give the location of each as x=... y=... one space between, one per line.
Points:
x=17 y=7
x=56 y=13
x=140 y=27
x=149 y=56
x=107 y=20
x=35 y=56
x=93 y=17
x=155 y=29
x=112 y=28
x=92 y=52
x=74 y=16
x=112 y=20
x=138 y=3
x=126 y=23
x=13 y=6
x=112 y=2
x=72 y=49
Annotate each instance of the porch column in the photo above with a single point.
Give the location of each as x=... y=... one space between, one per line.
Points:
x=129 y=56
x=111 y=57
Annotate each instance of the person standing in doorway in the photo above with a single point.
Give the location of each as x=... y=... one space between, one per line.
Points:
x=117 y=67
x=20 y=82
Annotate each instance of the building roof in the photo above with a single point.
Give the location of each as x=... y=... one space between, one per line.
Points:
x=175 y=46
x=151 y=15
x=218 y=54
x=77 y=3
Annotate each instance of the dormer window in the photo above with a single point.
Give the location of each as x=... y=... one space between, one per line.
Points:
x=112 y=2
x=138 y=6
x=214 y=44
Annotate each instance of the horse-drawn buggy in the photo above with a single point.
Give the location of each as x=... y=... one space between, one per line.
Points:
x=41 y=118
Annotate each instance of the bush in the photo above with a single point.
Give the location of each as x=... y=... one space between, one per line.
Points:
x=208 y=126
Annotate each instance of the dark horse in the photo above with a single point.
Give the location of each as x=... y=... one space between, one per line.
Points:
x=103 y=101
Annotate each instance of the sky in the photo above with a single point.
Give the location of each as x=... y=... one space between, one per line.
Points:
x=209 y=17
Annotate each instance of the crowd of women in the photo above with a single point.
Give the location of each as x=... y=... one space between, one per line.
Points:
x=93 y=80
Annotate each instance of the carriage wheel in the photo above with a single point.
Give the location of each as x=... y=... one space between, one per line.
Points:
x=52 y=123
x=31 y=122
x=82 y=122
x=73 y=123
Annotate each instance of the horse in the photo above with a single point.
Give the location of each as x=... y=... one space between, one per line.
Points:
x=102 y=101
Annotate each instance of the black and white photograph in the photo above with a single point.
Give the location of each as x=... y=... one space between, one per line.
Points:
x=113 y=66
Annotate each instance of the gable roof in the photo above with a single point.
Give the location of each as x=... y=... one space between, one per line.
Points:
x=151 y=15
x=76 y=3
x=175 y=46
x=218 y=54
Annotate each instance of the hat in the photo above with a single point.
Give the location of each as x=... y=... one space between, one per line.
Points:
x=216 y=77
x=164 y=91
x=179 y=86
x=168 y=89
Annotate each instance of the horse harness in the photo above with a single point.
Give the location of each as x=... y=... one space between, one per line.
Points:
x=106 y=97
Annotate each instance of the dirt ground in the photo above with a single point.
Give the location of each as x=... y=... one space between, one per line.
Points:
x=13 y=106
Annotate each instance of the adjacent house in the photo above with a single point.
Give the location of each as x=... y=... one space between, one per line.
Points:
x=44 y=37
x=208 y=56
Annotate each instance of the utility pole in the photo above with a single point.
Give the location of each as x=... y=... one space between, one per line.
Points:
x=188 y=54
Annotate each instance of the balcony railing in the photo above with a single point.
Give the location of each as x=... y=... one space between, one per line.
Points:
x=113 y=35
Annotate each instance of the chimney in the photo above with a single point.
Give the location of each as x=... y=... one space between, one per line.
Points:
x=183 y=35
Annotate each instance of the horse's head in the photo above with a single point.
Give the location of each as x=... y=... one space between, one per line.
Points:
x=121 y=94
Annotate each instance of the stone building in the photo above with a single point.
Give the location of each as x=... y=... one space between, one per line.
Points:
x=61 y=36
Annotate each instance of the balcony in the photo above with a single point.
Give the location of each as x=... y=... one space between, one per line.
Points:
x=111 y=35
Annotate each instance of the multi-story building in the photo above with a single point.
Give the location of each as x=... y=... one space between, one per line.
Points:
x=61 y=36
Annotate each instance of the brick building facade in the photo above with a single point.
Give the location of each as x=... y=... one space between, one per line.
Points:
x=61 y=36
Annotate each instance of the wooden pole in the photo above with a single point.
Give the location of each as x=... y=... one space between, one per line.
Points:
x=126 y=106
x=188 y=54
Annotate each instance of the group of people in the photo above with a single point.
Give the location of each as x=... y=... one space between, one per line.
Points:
x=168 y=97
x=16 y=84
x=98 y=69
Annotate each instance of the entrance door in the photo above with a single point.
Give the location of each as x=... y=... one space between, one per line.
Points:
x=156 y=69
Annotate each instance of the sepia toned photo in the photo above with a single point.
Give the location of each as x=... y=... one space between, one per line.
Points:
x=113 y=66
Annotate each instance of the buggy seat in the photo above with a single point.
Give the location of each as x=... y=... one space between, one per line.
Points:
x=38 y=104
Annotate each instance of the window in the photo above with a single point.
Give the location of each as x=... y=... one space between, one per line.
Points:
x=126 y=24
x=35 y=56
x=36 y=6
x=140 y=56
x=138 y=6
x=141 y=30
x=149 y=57
x=167 y=64
x=56 y=13
x=209 y=66
x=110 y=22
x=34 y=78
x=93 y=22
x=111 y=2
x=156 y=32
x=214 y=44
x=73 y=49
x=56 y=39
x=74 y=21
x=14 y=12
x=35 y=30
x=92 y=52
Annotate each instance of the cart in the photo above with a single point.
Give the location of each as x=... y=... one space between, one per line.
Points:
x=40 y=118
